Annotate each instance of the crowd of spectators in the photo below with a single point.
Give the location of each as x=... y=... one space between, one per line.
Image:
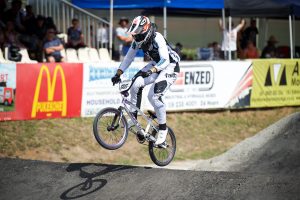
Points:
x=21 y=28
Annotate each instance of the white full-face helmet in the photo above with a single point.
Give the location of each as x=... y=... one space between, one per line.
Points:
x=141 y=29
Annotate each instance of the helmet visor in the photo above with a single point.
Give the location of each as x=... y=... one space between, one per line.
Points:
x=135 y=29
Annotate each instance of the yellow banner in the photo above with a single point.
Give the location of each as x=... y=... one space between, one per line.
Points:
x=276 y=82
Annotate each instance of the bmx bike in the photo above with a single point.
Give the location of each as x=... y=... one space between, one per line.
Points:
x=110 y=128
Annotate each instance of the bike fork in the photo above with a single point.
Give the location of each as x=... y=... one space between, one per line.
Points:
x=113 y=126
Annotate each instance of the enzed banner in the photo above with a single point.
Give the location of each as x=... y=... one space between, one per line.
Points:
x=276 y=83
x=49 y=90
x=203 y=85
x=7 y=91
x=98 y=91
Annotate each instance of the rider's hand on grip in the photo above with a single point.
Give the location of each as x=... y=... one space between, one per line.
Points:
x=146 y=74
x=116 y=79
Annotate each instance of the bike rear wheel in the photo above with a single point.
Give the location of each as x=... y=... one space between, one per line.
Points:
x=163 y=156
x=109 y=129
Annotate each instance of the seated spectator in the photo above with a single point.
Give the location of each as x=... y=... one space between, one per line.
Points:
x=75 y=36
x=2 y=39
x=178 y=50
x=15 y=15
x=216 y=51
x=29 y=21
x=250 y=51
x=28 y=37
x=270 y=51
x=52 y=47
x=49 y=23
x=2 y=24
x=12 y=36
x=41 y=29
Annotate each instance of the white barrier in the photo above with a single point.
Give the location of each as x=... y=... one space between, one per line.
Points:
x=200 y=85
x=98 y=91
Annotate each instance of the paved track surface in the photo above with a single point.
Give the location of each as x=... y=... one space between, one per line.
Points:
x=271 y=170
x=22 y=179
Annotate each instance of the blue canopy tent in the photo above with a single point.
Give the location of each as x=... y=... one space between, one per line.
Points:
x=138 y=4
x=146 y=4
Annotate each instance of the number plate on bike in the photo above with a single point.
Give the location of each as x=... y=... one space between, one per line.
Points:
x=124 y=85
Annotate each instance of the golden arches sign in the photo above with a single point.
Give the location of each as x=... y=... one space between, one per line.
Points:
x=50 y=106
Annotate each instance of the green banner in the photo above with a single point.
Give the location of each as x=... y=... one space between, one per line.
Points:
x=276 y=82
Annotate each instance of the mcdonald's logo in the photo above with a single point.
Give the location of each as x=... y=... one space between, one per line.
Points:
x=276 y=75
x=50 y=105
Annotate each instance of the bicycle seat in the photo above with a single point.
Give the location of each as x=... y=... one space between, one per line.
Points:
x=152 y=115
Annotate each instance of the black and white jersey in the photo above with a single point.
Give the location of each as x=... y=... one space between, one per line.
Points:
x=157 y=49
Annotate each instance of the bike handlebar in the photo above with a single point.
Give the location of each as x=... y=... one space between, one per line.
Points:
x=125 y=92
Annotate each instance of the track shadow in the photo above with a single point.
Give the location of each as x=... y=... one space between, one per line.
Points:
x=93 y=180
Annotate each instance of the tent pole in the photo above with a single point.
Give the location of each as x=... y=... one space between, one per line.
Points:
x=165 y=20
x=224 y=28
x=291 y=37
x=111 y=27
x=230 y=28
x=294 y=34
x=257 y=36
x=223 y=18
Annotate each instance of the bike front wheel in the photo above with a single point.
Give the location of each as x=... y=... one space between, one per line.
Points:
x=163 y=154
x=110 y=128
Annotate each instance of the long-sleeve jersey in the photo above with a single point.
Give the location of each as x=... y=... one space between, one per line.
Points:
x=158 y=50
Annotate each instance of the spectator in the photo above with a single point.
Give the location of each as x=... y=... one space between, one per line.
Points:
x=216 y=51
x=52 y=47
x=29 y=21
x=28 y=37
x=103 y=35
x=124 y=39
x=49 y=23
x=3 y=4
x=2 y=24
x=75 y=36
x=178 y=50
x=15 y=14
x=12 y=36
x=2 y=39
x=2 y=9
x=250 y=51
x=40 y=29
x=270 y=51
x=229 y=42
x=250 y=34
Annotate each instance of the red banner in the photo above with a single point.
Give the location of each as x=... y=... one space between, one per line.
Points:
x=48 y=90
x=7 y=91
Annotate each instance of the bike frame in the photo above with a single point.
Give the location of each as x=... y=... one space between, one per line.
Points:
x=126 y=107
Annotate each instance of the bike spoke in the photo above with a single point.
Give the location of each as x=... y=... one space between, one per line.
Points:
x=110 y=120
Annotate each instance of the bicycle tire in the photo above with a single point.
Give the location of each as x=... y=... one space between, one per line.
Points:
x=171 y=139
x=100 y=135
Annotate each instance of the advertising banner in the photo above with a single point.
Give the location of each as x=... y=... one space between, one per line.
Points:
x=49 y=90
x=276 y=83
x=7 y=91
x=203 y=85
x=98 y=91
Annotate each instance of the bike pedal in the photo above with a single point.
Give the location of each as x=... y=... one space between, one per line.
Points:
x=162 y=146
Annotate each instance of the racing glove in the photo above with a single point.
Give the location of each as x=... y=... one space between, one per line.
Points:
x=149 y=72
x=116 y=78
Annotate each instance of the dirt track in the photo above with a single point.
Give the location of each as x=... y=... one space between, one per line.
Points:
x=266 y=166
